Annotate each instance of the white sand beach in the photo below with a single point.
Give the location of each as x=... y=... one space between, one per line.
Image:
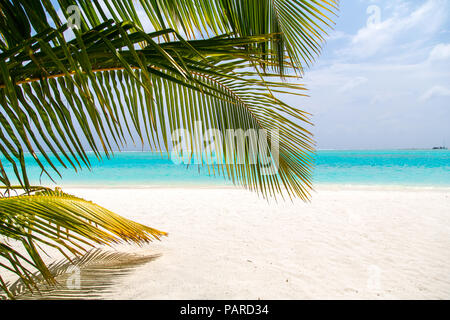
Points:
x=348 y=243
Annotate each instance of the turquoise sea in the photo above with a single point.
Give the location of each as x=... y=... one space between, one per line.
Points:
x=380 y=167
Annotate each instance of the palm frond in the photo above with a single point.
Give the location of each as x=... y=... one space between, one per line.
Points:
x=96 y=87
x=299 y=25
x=154 y=91
x=54 y=219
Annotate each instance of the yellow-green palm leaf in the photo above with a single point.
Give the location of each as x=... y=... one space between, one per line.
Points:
x=62 y=221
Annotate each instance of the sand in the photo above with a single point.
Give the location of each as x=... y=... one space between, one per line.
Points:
x=348 y=243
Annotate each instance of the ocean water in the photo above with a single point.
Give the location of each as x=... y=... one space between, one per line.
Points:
x=139 y=169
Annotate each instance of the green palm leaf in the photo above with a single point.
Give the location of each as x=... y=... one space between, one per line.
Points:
x=185 y=82
x=208 y=65
x=61 y=221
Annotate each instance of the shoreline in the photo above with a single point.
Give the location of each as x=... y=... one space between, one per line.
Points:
x=316 y=187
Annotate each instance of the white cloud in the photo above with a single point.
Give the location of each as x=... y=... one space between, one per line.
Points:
x=400 y=27
x=337 y=35
x=440 y=52
x=436 y=91
x=352 y=84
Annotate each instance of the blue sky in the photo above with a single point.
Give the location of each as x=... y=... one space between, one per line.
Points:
x=383 y=80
